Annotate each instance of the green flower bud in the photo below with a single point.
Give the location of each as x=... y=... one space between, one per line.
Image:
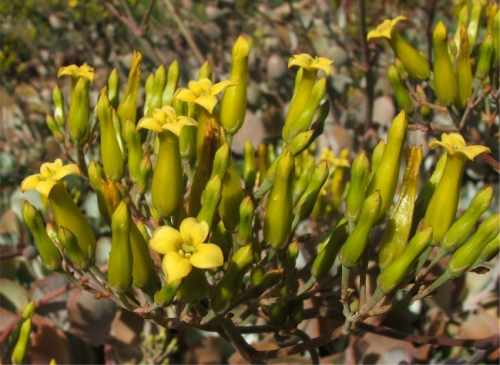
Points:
x=397 y=230
x=143 y=270
x=134 y=146
x=306 y=202
x=385 y=177
x=49 y=254
x=490 y=251
x=279 y=205
x=194 y=286
x=173 y=76
x=205 y=71
x=462 y=227
x=22 y=342
x=265 y=282
x=210 y=200
x=353 y=249
x=377 y=154
x=145 y=170
x=127 y=110
x=397 y=271
x=120 y=262
x=445 y=81
x=360 y=172
x=58 y=100
x=402 y=96
x=340 y=164
x=245 y=227
x=221 y=161
x=187 y=143
x=464 y=72
x=55 y=129
x=495 y=33
x=301 y=142
x=166 y=294
x=79 y=113
x=160 y=81
x=484 y=57
x=114 y=82
x=234 y=101
x=474 y=22
x=462 y=20
x=249 y=168
x=148 y=89
x=301 y=184
x=224 y=239
x=232 y=195
x=71 y=248
x=467 y=254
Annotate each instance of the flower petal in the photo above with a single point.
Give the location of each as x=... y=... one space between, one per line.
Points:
x=197 y=86
x=166 y=239
x=185 y=95
x=175 y=266
x=70 y=70
x=175 y=128
x=323 y=64
x=219 y=87
x=30 y=182
x=194 y=232
x=149 y=123
x=70 y=169
x=44 y=187
x=186 y=120
x=207 y=101
x=472 y=151
x=207 y=256
x=302 y=60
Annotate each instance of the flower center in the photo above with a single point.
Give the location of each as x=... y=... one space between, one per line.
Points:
x=186 y=250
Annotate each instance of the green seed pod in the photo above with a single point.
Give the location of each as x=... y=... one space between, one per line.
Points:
x=360 y=172
x=232 y=195
x=112 y=157
x=134 y=145
x=385 y=177
x=325 y=258
x=279 y=205
x=79 y=113
x=490 y=251
x=114 y=83
x=445 y=81
x=467 y=254
x=464 y=72
x=228 y=287
x=127 y=110
x=245 y=228
x=58 y=100
x=475 y=20
x=397 y=230
x=173 y=76
x=397 y=271
x=55 y=129
x=21 y=347
x=120 y=264
x=306 y=202
x=301 y=184
x=249 y=168
x=484 y=57
x=166 y=294
x=49 y=254
x=402 y=96
x=265 y=282
x=353 y=249
x=194 y=286
x=234 y=101
x=462 y=227
x=210 y=200
x=71 y=248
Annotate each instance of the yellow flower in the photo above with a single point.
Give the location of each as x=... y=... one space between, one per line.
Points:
x=50 y=174
x=165 y=119
x=202 y=92
x=327 y=155
x=304 y=60
x=74 y=71
x=184 y=249
x=385 y=29
x=454 y=143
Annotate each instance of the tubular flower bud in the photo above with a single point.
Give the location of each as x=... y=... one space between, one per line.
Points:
x=474 y=21
x=184 y=249
x=79 y=112
x=66 y=212
x=484 y=57
x=187 y=143
x=96 y=176
x=173 y=76
x=210 y=200
x=400 y=91
x=160 y=81
x=304 y=84
x=352 y=251
x=49 y=254
x=464 y=71
x=249 y=167
x=490 y=251
x=232 y=195
x=377 y=154
x=166 y=294
x=385 y=177
x=360 y=172
x=228 y=287
x=55 y=129
x=495 y=33
x=145 y=170
x=148 y=88
x=445 y=81
x=221 y=161
x=58 y=100
x=22 y=341
x=463 y=20
x=306 y=202
x=205 y=71
x=301 y=184
x=326 y=257
x=279 y=205
x=194 y=286
x=462 y=227
x=442 y=207
x=397 y=270
x=245 y=227
x=467 y=254
x=143 y=270
x=234 y=101
x=71 y=248
x=120 y=263
x=397 y=230
x=114 y=83
x=265 y=282
x=112 y=157
x=301 y=142
x=127 y=110
x=134 y=147
x=413 y=61
x=340 y=164
x=167 y=184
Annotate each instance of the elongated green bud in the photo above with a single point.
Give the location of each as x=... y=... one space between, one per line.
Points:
x=232 y=195
x=306 y=202
x=377 y=154
x=353 y=249
x=160 y=81
x=474 y=22
x=173 y=76
x=79 y=112
x=221 y=161
x=228 y=287
x=265 y=282
x=385 y=177
x=445 y=82
x=340 y=164
x=21 y=347
x=210 y=200
x=495 y=33
x=114 y=83
x=484 y=57
x=187 y=143
x=55 y=129
x=467 y=254
x=135 y=156
x=462 y=20
x=462 y=227
x=279 y=205
x=194 y=286
x=145 y=171
x=71 y=248
x=224 y=239
x=325 y=258
x=301 y=184
x=397 y=271
x=234 y=101
x=149 y=90
x=49 y=254
x=249 y=167
x=245 y=228
x=490 y=251
x=397 y=230
x=301 y=142
x=143 y=270
x=127 y=110
x=166 y=294
x=58 y=100
x=360 y=172
x=402 y=96
x=464 y=71
x=112 y=157
x=205 y=71
x=120 y=258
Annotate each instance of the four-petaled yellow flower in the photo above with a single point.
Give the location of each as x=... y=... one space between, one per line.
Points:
x=454 y=143
x=202 y=93
x=165 y=119
x=74 y=71
x=50 y=174
x=306 y=61
x=184 y=249
x=385 y=29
